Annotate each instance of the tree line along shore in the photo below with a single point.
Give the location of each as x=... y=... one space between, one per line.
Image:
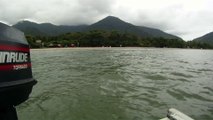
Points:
x=100 y=38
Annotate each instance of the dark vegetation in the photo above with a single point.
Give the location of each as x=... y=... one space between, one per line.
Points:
x=101 y=38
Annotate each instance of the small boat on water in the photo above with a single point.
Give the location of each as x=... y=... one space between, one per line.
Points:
x=174 y=114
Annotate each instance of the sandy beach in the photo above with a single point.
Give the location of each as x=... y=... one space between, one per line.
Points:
x=84 y=48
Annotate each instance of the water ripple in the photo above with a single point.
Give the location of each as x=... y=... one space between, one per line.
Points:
x=119 y=84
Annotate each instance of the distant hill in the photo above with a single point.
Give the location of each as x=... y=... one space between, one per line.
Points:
x=109 y=23
x=46 y=29
x=114 y=23
x=207 y=38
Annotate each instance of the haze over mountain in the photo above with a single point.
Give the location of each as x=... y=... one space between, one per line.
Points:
x=207 y=38
x=109 y=23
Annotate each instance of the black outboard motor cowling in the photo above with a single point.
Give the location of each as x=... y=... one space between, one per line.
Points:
x=16 y=79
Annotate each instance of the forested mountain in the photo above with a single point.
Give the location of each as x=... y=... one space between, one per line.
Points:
x=46 y=29
x=110 y=31
x=208 y=38
x=109 y=23
x=114 y=23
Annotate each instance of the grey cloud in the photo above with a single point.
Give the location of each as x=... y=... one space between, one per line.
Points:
x=11 y=12
x=89 y=11
x=100 y=6
x=67 y=12
x=176 y=17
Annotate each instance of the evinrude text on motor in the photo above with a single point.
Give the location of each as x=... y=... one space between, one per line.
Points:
x=16 y=80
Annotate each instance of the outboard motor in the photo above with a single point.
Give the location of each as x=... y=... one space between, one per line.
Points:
x=16 y=79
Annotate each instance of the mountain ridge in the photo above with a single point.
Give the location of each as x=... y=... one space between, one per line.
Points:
x=108 y=23
x=45 y=29
x=207 y=38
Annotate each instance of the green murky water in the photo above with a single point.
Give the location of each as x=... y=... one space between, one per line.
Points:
x=119 y=84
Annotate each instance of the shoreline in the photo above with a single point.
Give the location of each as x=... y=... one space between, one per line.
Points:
x=76 y=48
x=89 y=48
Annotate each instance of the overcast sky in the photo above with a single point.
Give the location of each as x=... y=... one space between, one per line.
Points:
x=185 y=18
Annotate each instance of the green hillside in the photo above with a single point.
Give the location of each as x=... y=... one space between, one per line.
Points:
x=109 y=23
x=207 y=38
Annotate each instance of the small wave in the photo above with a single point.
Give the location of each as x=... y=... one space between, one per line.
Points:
x=182 y=95
x=156 y=77
x=193 y=71
x=208 y=88
x=176 y=95
x=181 y=61
x=151 y=88
x=152 y=102
x=205 y=70
x=181 y=74
x=183 y=80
